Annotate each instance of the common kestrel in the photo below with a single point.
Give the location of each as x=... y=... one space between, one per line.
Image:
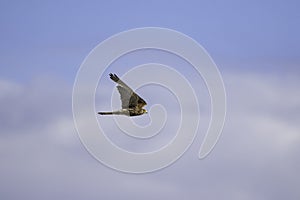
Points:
x=132 y=104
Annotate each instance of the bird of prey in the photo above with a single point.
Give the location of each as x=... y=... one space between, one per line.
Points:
x=132 y=104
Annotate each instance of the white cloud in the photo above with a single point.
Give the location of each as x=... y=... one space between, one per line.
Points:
x=256 y=157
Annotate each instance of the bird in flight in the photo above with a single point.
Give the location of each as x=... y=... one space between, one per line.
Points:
x=132 y=104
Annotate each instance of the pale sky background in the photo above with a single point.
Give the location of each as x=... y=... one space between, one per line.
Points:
x=256 y=46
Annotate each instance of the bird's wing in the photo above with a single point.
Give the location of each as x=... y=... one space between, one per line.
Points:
x=116 y=79
x=129 y=98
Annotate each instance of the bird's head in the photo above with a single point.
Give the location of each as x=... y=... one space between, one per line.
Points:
x=144 y=111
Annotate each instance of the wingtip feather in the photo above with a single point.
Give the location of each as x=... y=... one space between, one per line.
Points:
x=114 y=77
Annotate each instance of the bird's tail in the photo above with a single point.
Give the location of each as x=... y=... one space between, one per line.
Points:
x=110 y=113
x=105 y=113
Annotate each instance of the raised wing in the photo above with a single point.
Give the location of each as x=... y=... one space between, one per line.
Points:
x=129 y=98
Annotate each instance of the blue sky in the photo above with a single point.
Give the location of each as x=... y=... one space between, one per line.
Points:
x=256 y=46
x=58 y=35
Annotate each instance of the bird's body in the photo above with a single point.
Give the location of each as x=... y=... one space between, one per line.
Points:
x=132 y=104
